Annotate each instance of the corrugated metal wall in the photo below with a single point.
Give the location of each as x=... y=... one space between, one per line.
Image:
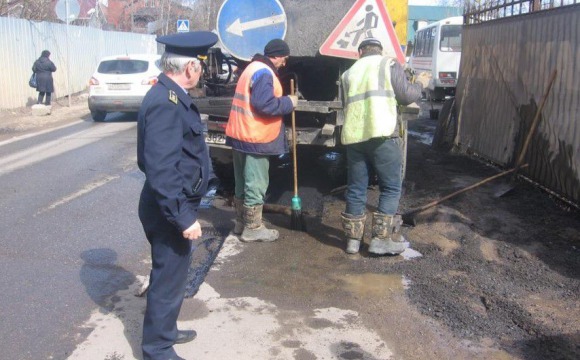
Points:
x=505 y=70
x=22 y=41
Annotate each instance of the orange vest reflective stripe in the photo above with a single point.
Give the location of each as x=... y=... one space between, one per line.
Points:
x=243 y=123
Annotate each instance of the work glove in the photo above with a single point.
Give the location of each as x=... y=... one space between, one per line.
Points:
x=294 y=99
x=425 y=79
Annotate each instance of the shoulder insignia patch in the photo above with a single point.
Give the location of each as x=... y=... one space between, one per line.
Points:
x=172 y=96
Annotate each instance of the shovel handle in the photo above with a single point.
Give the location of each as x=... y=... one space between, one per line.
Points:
x=294 y=155
x=535 y=122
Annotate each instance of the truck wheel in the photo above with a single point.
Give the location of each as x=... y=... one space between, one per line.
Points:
x=98 y=115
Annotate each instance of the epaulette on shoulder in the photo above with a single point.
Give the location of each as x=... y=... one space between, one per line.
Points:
x=173 y=96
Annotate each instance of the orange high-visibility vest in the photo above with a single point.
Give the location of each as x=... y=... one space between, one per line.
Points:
x=243 y=123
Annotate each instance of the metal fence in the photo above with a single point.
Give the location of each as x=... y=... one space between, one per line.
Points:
x=477 y=12
x=506 y=66
x=75 y=52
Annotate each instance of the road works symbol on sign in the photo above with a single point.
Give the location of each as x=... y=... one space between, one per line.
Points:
x=365 y=19
x=245 y=27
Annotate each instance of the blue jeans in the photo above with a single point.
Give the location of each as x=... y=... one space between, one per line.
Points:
x=385 y=157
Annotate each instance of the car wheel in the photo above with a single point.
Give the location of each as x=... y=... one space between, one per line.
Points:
x=98 y=115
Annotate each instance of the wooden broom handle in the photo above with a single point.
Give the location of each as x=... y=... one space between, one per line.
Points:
x=535 y=122
x=294 y=155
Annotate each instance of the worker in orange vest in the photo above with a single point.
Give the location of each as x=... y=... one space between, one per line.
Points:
x=255 y=131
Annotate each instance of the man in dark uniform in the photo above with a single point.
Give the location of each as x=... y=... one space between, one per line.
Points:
x=172 y=153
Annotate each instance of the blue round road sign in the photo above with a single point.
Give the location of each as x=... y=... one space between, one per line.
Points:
x=245 y=27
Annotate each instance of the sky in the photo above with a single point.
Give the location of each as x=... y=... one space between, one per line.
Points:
x=424 y=2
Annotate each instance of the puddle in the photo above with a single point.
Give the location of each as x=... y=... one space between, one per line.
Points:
x=373 y=284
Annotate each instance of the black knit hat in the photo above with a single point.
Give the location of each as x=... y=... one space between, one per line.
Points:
x=276 y=48
x=371 y=42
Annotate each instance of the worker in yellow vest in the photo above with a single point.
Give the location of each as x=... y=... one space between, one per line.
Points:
x=255 y=131
x=372 y=88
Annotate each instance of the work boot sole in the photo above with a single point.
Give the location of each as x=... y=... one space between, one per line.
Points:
x=384 y=247
x=352 y=246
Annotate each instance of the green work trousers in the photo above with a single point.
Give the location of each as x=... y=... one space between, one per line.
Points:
x=251 y=176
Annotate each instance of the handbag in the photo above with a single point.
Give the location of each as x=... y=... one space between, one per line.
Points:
x=32 y=81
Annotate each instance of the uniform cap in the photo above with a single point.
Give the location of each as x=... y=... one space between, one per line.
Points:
x=276 y=48
x=191 y=44
x=370 y=41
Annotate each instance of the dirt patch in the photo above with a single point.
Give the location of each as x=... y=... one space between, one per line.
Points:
x=499 y=273
x=505 y=269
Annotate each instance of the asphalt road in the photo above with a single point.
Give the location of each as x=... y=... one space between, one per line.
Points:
x=70 y=234
x=476 y=283
x=74 y=254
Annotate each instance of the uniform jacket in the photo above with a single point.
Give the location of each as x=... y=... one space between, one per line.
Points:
x=171 y=151
x=43 y=68
x=265 y=104
x=371 y=89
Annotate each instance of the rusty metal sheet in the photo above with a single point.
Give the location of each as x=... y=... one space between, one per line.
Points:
x=505 y=68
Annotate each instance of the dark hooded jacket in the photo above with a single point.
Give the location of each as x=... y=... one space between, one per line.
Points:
x=43 y=68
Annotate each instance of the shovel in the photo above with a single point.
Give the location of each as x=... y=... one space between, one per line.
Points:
x=505 y=188
x=409 y=216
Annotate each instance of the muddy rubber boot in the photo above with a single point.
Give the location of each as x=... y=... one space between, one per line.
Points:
x=239 y=221
x=254 y=229
x=387 y=238
x=354 y=228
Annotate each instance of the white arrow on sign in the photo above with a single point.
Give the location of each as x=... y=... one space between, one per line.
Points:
x=238 y=28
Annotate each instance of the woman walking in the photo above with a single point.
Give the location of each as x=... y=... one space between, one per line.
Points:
x=43 y=68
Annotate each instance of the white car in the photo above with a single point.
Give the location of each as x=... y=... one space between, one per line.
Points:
x=121 y=82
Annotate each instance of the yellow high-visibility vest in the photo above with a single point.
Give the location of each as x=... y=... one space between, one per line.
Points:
x=370 y=104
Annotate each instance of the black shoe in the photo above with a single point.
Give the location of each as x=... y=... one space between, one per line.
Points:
x=185 y=336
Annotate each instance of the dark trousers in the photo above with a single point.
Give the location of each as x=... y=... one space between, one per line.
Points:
x=171 y=256
x=41 y=97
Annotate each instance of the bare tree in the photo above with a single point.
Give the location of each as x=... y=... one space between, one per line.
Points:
x=38 y=10
x=204 y=14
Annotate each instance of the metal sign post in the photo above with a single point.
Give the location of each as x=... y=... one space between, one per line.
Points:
x=67 y=55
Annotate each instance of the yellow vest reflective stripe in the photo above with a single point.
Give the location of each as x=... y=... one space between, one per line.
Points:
x=245 y=125
x=370 y=104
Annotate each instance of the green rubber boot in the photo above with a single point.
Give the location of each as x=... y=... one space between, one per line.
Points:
x=387 y=237
x=254 y=229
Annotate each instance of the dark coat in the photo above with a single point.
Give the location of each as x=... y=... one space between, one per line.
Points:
x=172 y=153
x=43 y=68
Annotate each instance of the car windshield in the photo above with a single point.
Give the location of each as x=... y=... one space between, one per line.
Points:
x=450 y=38
x=123 y=66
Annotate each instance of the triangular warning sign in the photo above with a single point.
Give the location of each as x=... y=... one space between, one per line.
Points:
x=366 y=18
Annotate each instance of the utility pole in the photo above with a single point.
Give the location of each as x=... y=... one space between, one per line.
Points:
x=67 y=53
